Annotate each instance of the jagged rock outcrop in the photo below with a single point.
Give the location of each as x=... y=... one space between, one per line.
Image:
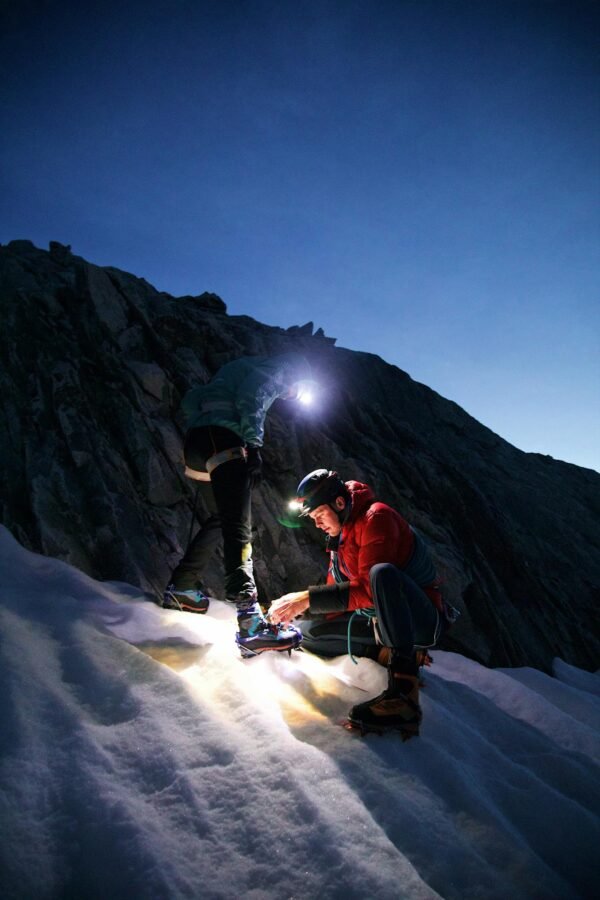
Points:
x=94 y=364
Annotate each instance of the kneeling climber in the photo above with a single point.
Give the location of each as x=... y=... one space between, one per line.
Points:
x=380 y=567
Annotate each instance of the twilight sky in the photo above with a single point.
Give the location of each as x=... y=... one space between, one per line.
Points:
x=421 y=179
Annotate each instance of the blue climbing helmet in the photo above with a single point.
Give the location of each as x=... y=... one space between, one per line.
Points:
x=319 y=487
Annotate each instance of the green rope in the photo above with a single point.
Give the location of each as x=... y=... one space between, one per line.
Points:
x=368 y=614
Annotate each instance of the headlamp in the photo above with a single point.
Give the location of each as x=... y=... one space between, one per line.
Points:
x=293 y=518
x=305 y=396
x=303 y=392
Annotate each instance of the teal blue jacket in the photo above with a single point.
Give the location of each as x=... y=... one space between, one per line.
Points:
x=241 y=393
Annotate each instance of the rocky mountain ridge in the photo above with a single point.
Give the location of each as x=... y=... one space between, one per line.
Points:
x=94 y=362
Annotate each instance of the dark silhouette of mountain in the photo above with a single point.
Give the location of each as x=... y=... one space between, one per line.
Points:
x=94 y=364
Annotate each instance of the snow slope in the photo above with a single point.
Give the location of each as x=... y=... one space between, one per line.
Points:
x=142 y=758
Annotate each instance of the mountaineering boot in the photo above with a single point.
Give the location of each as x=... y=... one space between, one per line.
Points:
x=186 y=601
x=255 y=634
x=422 y=656
x=397 y=708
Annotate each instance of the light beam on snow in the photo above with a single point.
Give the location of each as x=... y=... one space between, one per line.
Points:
x=275 y=685
x=219 y=672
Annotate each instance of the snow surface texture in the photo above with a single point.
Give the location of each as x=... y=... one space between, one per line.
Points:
x=141 y=757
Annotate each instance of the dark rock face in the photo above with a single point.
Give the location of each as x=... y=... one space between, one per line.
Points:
x=94 y=364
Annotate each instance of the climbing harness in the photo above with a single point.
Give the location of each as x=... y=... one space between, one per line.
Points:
x=225 y=456
x=214 y=461
x=196 y=475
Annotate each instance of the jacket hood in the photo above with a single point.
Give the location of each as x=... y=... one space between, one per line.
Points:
x=362 y=497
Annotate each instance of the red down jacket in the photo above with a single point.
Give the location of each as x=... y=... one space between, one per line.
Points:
x=374 y=533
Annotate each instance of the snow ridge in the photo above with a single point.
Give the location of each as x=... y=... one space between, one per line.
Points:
x=141 y=757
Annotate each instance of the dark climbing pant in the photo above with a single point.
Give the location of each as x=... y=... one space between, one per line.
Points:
x=406 y=618
x=329 y=637
x=233 y=498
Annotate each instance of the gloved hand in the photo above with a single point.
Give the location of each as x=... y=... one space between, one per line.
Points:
x=254 y=463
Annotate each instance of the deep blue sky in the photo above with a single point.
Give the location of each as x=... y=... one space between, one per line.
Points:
x=418 y=178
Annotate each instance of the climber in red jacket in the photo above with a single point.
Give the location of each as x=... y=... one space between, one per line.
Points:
x=381 y=567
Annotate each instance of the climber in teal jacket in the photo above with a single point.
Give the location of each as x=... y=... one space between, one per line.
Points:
x=226 y=425
x=242 y=392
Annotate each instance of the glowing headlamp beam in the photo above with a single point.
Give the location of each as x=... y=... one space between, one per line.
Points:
x=305 y=397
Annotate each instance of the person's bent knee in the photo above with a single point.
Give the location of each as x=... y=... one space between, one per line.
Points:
x=383 y=572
